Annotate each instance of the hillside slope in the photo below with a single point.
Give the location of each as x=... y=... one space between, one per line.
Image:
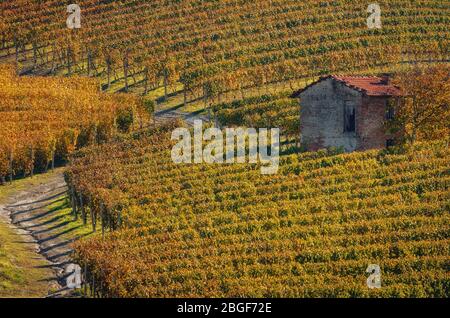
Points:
x=44 y=119
x=227 y=231
x=216 y=46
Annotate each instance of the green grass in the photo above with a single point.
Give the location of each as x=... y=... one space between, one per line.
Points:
x=23 y=272
x=22 y=184
x=66 y=227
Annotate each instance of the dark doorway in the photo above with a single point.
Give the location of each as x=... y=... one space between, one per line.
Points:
x=349 y=117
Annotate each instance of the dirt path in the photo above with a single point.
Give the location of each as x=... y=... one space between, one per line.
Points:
x=28 y=211
x=168 y=114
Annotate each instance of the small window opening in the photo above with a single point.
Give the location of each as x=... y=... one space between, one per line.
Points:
x=390 y=143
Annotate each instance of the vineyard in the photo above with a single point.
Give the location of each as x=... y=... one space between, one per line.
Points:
x=101 y=100
x=213 y=47
x=45 y=119
x=277 y=110
x=227 y=231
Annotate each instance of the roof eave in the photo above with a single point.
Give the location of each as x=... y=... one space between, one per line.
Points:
x=300 y=91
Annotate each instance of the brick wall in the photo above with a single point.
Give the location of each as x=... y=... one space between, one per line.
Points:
x=370 y=123
x=322 y=118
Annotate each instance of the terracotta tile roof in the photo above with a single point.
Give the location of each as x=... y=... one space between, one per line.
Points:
x=369 y=85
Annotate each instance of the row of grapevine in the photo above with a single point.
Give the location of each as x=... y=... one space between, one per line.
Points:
x=215 y=47
x=43 y=119
x=228 y=231
x=278 y=111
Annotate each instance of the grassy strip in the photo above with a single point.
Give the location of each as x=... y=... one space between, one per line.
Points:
x=23 y=273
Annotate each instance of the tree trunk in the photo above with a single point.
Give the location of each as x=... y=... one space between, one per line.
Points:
x=146 y=82
x=53 y=160
x=89 y=62
x=83 y=212
x=69 y=68
x=32 y=161
x=34 y=55
x=125 y=71
x=85 y=280
x=93 y=287
x=205 y=98
x=17 y=58
x=108 y=71
x=94 y=225
x=11 y=158
x=74 y=202
x=103 y=220
x=165 y=84
x=53 y=57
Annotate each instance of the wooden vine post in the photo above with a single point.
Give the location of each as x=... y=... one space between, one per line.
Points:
x=73 y=201
x=103 y=220
x=83 y=211
x=85 y=279
x=91 y=208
